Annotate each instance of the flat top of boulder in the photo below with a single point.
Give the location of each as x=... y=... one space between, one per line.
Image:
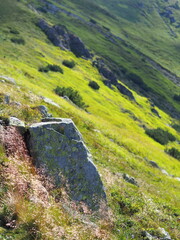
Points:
x=63 y=126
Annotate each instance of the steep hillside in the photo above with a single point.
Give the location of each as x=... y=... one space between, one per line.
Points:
x=138 y=77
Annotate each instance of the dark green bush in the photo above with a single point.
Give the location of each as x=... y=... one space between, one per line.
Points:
x=137 y=80
x=176 y=127
x=69 y=64
x=18 y=40
x=14 y=31
x=160 y=135
x=174 y=152
x=43 y=69
x=94 y=85
x=51 y=67
x=93 y=21
x=72 y=94
x=177 y=97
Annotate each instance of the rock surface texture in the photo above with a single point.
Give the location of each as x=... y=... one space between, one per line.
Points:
x=111 y=78
x=57 y=146
x=62 y=38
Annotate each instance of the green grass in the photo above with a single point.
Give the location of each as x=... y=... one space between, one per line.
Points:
x=113 y=128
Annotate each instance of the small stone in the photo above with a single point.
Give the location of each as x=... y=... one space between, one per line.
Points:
x=129 y=179
x=18 y=104
x=165 y=234
x=7 y=79
x=44 y=111
x=165 y=172
x=6 y=99
x=147 y=235
x=49 y=101
x=154 y=164
x=13 y=121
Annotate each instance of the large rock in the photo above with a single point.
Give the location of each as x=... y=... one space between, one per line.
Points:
x=62 y=38
x=57 y=146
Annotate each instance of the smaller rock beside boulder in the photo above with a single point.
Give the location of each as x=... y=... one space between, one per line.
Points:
x=130 y=179
x=44 y=111
x=13 y=121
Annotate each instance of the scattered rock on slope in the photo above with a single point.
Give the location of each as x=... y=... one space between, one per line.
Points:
x=130 y=179
x=62 y=38
x=57 y=146
x=111 y=78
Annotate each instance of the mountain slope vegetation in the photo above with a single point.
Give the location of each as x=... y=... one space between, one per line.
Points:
x=141 y=43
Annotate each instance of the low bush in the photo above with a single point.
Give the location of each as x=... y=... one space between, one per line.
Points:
x=14 y=31
x=160 y=135
x=94 y=85
x=72 y=94
x=51 y=67
x=92 y=21
x=176 y=127
x=177 y=97
x=174 y=152
x=69 y=64
x=137 y=80
x=18 y=41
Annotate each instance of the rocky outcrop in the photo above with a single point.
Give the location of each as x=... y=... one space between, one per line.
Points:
x=57 y=146
x=111 y=78
x=62 y=38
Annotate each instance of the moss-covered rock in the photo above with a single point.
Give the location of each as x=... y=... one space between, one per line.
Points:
x=58 y=147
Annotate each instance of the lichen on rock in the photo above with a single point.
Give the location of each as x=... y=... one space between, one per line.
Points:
x=57 y=146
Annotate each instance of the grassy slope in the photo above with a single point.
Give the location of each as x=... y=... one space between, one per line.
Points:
x=120 y=144
x=120 y=54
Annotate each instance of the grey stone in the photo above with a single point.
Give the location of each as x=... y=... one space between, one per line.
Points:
x=129 y=179
x=13 y=121
x=153 y=110
x=165 y=172
x=16 y=104
x=147 y=235
x=61 y=37
x=111 y=78
x=58 y=147
x=49 y=101
x=154 y=164
x=7 y=79
x=44 y=111
x=165 y=234
x=6 y=99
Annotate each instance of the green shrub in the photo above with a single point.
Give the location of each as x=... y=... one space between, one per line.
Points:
x=177 y=97
x=160 y=135
x=176 y=127
x=137 y=80
x=72 y=94
x=18 y=40
x=14 y=31
x=92 y=21
x=51 y=67
x=174 y=152
x=94 y=85
x=69 y=64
